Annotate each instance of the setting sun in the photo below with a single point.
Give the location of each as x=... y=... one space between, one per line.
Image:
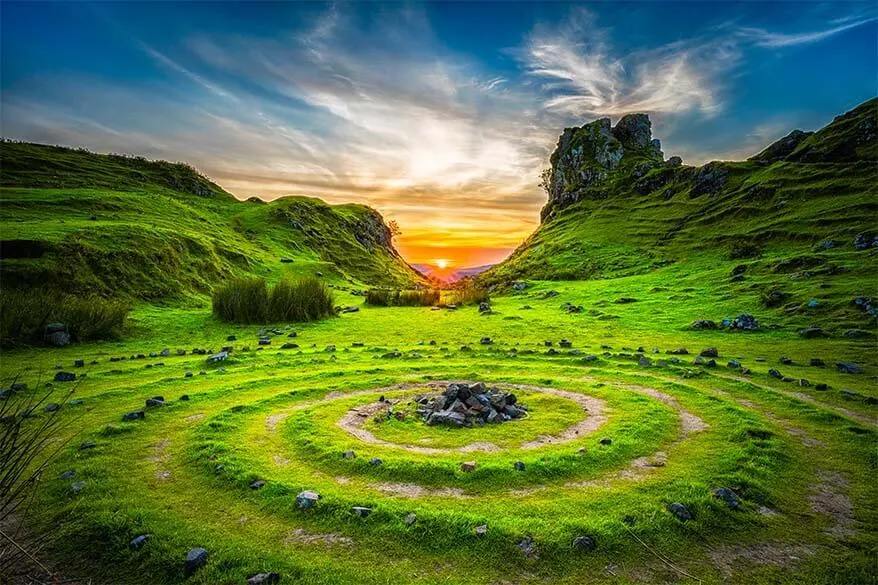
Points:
x=442 y=263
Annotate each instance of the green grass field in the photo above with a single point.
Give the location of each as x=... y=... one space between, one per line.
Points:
x=800 y=459
x=612 y=476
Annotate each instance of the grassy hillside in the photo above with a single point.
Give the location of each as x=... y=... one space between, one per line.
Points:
x=122 y=226
x=785 y=220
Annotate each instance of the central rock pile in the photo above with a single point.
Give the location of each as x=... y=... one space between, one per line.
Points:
x=469 y=404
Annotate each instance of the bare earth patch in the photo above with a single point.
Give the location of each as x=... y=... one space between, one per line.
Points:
x=828 y=498
x=278 y=460
x=194 y=417
x=300 y=536
x=272 y=421
x=730 y=558
x=353 y=420
x=411 y=490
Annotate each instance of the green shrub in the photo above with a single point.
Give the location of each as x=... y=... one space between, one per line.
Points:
x=25 y=315
x=248 y=300
x=307 y=299
x=380 y=297
x=241 y=300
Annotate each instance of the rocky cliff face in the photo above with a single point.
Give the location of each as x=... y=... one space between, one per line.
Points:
x=597 y=160
x=589 y=156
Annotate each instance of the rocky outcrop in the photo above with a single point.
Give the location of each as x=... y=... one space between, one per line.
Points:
x=586 y=158
x=782 y=148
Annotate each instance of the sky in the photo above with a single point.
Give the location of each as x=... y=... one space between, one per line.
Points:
x=439 y=115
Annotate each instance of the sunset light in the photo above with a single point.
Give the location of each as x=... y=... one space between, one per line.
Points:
x=441 y=263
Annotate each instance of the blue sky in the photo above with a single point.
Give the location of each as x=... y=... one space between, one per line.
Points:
x=440 y=115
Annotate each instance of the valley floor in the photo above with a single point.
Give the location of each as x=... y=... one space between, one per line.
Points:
x=800 y=460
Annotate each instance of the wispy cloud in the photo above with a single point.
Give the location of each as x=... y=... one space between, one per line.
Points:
x=764 y=38
x=583 y=74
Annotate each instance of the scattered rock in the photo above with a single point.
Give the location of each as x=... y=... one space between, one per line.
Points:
x=361 y=511
x=348 y=454
x=410 y=519
x=518 y=465
x=848 y=368
x=218 y=357
x=527 y=547
x=817 y=362
x=258 y=484
x=468 y=466
x=134 y=415
x=858 y=334
x=710 y=352
x=486 y=341
x=812 y=332
x=584 y=543
x=307 y=499
x=728 y=497
x=680 y=511
x=87 y=445
x=775 y=374
x=138 y=542
x=155 y=401
x=481 y=530
x=265 y=578
x=704 y=324
x=195 y=559
x=64 y=377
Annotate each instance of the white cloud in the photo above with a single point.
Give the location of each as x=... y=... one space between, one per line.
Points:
x=585 y=77
x=763 y=38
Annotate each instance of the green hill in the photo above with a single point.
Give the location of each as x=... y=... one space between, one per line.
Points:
x=796 y=222
x=124 y=226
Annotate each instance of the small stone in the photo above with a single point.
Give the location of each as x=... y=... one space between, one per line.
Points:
x=64 y=377
x=710 y=352
x=486 y=341
x=728 y=497
x=734 y=364
x=138 y=542
x=187 y=375
x=232 y=338
x=584 y=543
x=134 y=415
x=468 y=466
x=77 y=487
x=375 y=462
x=680 y=511
x=87 y=445
x=195 y=559
x=52 y=407
x=79 y=363
x=218 y=357
x=410 y=519
x=845 y=368
x=155 y=401
x=519 y=466
x=821 y=387
x=817 y=362
x=348 y=454
x=775 y=374
x=480 y=530
x=70 y=474
x=361 y=511
x=606 y=441
x=258 y=484
x=527 y=547
x=306 y=499
x=264 y=578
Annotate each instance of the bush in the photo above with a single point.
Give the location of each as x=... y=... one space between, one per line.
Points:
x=248 y=300
x=307 y=299
x=24 y=316
x=381 y=297
x=470 y=294
x=241 y=300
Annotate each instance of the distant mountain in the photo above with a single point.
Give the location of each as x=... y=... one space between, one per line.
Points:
x=450 y=276
x=112 y=225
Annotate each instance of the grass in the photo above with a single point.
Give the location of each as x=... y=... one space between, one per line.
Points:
x=799 y=452
x=249 y=300
x=271 y=415
x=24 y=316
x=402 y=298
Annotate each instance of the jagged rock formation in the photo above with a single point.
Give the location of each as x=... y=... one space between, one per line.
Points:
x=615 y=207
x=586 y=157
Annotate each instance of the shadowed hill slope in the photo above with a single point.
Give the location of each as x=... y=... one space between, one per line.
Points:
x=115 y=225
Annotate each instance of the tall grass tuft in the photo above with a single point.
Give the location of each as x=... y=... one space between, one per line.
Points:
x=468 y=293
x=24 y=316
x=381 y=297
x=28 y=444
x=307 y=299
x=249 y=300
x=241 y=300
